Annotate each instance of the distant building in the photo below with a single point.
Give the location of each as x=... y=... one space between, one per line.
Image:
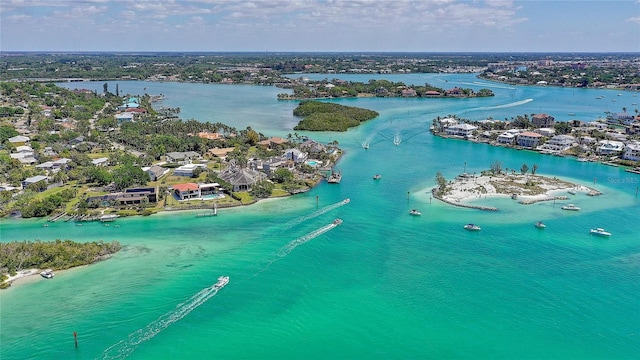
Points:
x=632 y=151
x=543 y=121
x=183 y=157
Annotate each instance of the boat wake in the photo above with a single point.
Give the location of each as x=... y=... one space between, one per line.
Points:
x=314 y=214
x=124 y=348
x=285 y=250
x=503 y=106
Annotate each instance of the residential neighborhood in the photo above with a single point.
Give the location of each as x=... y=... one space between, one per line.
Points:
x=99 y=162
x=615 y=139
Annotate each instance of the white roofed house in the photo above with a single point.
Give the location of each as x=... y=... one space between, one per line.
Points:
x=295 y=155
x=506 y=138
x=464 y=130
x=18 y=140
x=609 y=147
x=558 y=143
x=103 y=161
x=632 y=151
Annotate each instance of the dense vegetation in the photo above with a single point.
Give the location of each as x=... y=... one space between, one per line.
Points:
x=322 y=116
x=60 y=254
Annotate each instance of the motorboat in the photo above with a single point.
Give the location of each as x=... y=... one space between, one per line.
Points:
x=222 y=281
x=377 y=177
x=48 y=274
x=540 y=225
x=572 y=192
x=337 y=222
x=472 y=227
x=570 y=207
x=346 y=201
x=600 y=232
x=415 y=212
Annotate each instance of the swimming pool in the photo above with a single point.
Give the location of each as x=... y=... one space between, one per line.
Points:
x=213 y=196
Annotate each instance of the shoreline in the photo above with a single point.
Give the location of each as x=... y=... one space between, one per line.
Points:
x=528 y=189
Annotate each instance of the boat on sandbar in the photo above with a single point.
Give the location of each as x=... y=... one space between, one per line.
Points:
x=337 y=222
x=415 y=212
x=222 y=281
x=599 y=232
x=472 y=227
x=540 y=225
x=570 y=207
x=572 y=192
x=47 y=274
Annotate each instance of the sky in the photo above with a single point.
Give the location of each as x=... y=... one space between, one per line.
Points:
x=320 y=25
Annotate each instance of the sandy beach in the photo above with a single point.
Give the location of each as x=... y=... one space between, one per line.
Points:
x=526 y=188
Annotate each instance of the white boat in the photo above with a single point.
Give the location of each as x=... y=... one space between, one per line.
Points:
x=337 y=222
x=346 y=201
x=415 y=212
x=472 y=227
x=570 y=207
x=48 y=274
x=572 y=192
x=540 y=225
x=377 y=177
x=222 y=281
x=600 y=232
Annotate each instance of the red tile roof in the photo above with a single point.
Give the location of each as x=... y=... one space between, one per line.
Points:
x=185 y=187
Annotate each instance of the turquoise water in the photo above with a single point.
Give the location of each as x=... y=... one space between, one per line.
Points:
x=383 y=284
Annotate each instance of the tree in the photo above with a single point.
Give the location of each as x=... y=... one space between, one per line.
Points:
x=534 y=168
x=282 y=175
x=562 y=128
x=524 y=168
x=441 y=181
x=496 y=167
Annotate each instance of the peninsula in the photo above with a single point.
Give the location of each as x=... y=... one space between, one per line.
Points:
x=19 y=259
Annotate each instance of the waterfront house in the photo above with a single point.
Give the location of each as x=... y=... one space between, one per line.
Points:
x=136 y=196
x=455 y=92
x=182 y=157
x=506 y=138
x=558 y=143
x=186 y=191
x=632 y=151
x=623 y=118
x=432 y=94
x=609 y=147
x=208 y=189
x=409 y=93
x=528 y=139
x=464 y=130
x=543 y=120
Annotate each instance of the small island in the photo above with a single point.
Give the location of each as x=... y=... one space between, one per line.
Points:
x=321 y=116
x=19 y=259
x=527 y=188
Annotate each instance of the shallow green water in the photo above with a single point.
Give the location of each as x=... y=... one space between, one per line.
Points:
x=381 y=285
